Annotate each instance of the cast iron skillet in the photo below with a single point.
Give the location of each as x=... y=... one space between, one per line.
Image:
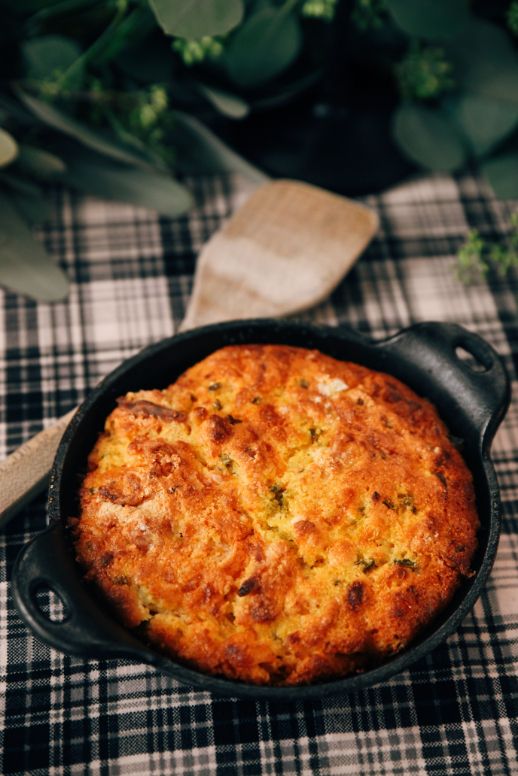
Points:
x=472 y=400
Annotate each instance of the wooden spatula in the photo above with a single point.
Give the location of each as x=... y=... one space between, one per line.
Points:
x=284 y=250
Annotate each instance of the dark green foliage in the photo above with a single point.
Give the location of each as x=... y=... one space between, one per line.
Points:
x=430 y=19
x=470 y=82
x=512 y=17
x=25 y=266
x=425 y=73
x=428 y=137
x=476 y=257
x=110 y=96
x=264 y=46
x=195 y=18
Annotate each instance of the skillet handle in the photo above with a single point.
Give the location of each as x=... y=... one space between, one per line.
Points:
x=479 y=386
x=46 y=563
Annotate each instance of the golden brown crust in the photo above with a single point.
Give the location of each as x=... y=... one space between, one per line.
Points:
x=277 y=516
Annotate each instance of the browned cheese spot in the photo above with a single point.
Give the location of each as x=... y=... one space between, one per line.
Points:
x=149 y=409
x=128 y=491
x=355 y=595
x=221 y=429
x=262 y=611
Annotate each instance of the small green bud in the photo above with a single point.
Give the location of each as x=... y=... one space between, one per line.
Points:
x=158 y=98
x=319 y=9
x=424 y=73
x=147 y=116
x=476 y=256
x=193 y=52
x=369 y=14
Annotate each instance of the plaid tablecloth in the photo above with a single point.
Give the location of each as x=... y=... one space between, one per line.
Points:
x=454 y=712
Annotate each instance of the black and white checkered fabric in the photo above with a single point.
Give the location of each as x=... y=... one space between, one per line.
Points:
x=453 y=713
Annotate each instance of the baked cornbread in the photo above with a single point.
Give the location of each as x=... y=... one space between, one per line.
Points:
x=276 y=516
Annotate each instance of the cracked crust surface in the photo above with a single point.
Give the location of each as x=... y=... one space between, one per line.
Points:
x=276 y=516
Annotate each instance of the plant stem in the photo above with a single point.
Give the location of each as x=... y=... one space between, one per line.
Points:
x=136 y=25
x=96 y=47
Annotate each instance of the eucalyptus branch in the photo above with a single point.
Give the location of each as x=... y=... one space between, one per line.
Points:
x=476 y=257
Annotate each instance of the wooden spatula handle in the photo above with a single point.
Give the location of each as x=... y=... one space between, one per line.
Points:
x=24 y=473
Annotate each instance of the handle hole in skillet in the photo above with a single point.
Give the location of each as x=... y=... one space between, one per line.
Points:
x=50 y=603
x=472 y=360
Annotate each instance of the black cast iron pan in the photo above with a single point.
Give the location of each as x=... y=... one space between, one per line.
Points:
x=471 y=396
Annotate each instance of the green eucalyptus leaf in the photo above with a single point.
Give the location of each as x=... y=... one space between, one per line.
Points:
x=201 y=151
x=8 y=148
x=96 y=175
x=29 y=200
x=486 y=62
x=485 y=121
x=40 y=163
x=97 y=141
x=430 y=19
x=502 y=173
x=264 y=46
x=17 y=183
x=428 y=137
x=48 y=54
x=24 y=265
x=34 y=210
x=226 y=103
x=196 y=18
x=131 y=31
